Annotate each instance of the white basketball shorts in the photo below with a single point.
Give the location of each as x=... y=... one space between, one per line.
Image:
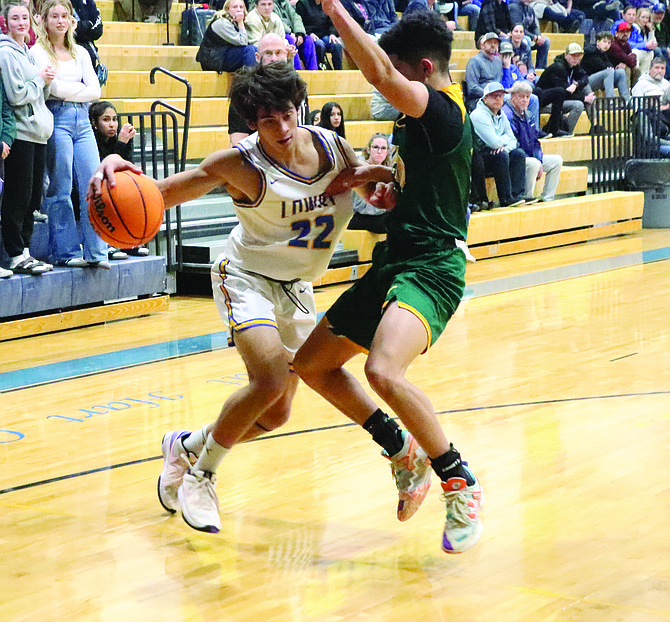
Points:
x=245 y=300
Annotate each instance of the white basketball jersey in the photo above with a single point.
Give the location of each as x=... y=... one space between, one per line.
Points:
x=291 y=231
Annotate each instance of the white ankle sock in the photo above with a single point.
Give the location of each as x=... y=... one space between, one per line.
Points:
x=194 y=443
x=211 y=456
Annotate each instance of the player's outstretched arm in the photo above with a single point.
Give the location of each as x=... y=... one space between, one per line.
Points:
x=407 y=96
x=223 y=168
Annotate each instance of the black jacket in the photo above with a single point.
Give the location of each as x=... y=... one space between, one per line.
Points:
x=561 y=74
x=595 y=60
x=493 y=17
x=314 y=19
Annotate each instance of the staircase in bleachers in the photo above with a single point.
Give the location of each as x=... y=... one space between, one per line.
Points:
x=131 y=50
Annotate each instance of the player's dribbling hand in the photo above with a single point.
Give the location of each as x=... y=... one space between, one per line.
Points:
x=106 y=170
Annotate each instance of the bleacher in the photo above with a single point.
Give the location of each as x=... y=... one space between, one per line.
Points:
x=131 y=50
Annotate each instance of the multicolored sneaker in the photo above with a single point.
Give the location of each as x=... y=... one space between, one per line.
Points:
x=175 y=464
x=199 y=503
x=411 y=471
x=463 y=527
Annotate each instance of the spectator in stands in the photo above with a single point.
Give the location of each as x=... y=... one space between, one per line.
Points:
x=297 y=35
x=602 y=74
x=320 y=28
x=332 y=118
x=359 y=12
x=526 y=34
x=89 y=27
x=653 y=83
x=645 y=47
x=272 y=48
x=471 y=10
x=494 y=17
x=483 y=68
x=7 y=136
x=498 y=147
x=566 y=73
x=620 y=52
x=262 y=21
x=382 y=15
x=380 y=109
x=314 y=117
x=446 y=10
x=25 y=87
x=628 y=15
x=565 y=16
x=601 y=13
x=33 y=37
x=366 y=217
x=527 y=135
x=72 y=153
x=225 y=45
x=110 y=139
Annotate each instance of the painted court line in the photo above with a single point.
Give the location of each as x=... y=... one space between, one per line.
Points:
x=142 y=355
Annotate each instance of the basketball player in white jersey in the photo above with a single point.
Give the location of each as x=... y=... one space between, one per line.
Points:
x=289 y=226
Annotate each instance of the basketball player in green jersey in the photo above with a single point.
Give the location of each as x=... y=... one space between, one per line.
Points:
x=402 y=304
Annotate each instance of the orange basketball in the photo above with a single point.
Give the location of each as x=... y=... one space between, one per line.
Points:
x=130 y=213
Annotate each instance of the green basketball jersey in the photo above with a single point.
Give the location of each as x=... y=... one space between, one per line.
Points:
x=435 y=181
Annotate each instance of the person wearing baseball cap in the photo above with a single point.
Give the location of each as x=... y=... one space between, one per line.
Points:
x=482 y=68
x=495 y=142
x=620 y=52
x=567 y=73
x=661 y=22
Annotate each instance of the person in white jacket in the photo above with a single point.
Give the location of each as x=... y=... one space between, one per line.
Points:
x=498 y=147
x=71 y=150
x=653 y=83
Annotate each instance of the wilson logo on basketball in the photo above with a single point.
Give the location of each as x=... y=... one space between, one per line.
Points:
x=100 y=209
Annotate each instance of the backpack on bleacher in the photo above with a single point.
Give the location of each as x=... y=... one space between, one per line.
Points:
x=194 y=22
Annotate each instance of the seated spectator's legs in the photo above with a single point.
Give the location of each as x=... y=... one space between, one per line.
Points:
x=603 y=80
x=621 y=83
x=532 y=169
x=553 y=98
x=551 y=164
x=508 y=170
x=320 y=48
x=297 y=64
x=542 y=53
x=307 y=53
x=478 y=186
x=573 y=108
x=230 y=58
x=472 y=12
x=567 y=23
x=534 y=109
x=335 y=50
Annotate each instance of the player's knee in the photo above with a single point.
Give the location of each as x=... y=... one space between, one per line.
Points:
x=275 y=419
x=270 y=387
x=379 y=377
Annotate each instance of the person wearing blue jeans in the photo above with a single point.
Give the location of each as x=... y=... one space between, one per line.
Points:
x=568 y=19
x=72 y=152
x=470 y=9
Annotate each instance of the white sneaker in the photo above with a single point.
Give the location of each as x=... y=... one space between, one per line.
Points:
x=412 y=472
x=5 y=274
x=463 y=527
x=199 y=503
x=175 y=464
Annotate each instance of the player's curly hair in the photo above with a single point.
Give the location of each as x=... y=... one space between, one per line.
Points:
x=272 y=88
x=420 y=34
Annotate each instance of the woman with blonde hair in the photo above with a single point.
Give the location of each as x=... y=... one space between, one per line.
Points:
x=72 y=153
x=366 y=217
x=26 y=85
x=225 y=46
x=646 y=42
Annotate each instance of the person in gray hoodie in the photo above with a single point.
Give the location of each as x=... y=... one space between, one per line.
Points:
x=653 y=83
x=496 y=143
x=26 y=89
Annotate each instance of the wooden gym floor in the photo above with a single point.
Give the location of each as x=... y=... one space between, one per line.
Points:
x=553 y=380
